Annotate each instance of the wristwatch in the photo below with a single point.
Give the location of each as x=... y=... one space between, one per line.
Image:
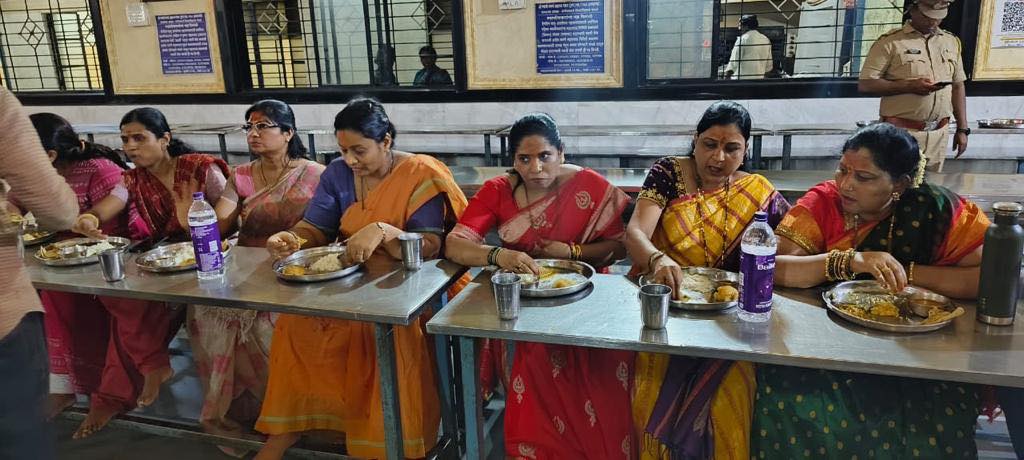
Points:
x=966 y=131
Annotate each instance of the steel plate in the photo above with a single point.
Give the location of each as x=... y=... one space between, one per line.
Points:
x=147 y=260
x=44 y=237
x=534 y=290
x=1002 y=123
x=717 y=276
x=907 y=323
x=306 y=257
x=73 y=261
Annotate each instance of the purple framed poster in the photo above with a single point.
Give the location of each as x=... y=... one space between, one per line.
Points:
x=570 y=37
x=184 y=44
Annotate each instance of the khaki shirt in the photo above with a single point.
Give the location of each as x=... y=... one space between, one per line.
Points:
x=906 y=54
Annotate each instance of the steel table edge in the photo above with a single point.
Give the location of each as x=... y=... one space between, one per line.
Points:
x=460 y=270
x=241 y=305
x=754 y=356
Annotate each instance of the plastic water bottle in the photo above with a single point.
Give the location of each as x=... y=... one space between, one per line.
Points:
x=202 y=221
x=757 y=270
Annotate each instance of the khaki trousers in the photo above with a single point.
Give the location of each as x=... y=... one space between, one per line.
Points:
x=934 y=145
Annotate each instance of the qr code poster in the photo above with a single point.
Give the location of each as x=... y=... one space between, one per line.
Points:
x=1008 y=27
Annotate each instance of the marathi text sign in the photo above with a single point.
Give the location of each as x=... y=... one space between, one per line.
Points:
x=184 y=44
x=570 y=37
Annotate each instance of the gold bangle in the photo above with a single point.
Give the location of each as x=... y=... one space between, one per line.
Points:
x=650 y=260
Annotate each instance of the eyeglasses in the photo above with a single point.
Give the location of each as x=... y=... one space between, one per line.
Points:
x=258 y=127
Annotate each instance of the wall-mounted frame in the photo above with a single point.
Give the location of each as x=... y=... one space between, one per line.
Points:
x=501 y=48
x=1000 y=50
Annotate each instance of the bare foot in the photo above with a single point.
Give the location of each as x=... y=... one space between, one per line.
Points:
x=94 y=421
x=276 y=445
x=57 y=402
x=151 y=385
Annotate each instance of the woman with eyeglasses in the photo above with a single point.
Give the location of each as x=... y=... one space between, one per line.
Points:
x=167 y=172
x=231 y=346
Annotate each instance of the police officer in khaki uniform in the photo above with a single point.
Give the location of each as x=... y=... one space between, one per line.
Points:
x=918 y=71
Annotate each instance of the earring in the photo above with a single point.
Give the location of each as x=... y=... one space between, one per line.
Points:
x=896 y=196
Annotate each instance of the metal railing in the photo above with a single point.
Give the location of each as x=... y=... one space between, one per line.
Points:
x=809 y=38
x=318 y=43
x=46 y=45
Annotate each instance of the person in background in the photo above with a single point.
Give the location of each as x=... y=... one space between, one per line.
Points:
x=24 y=429
x=322 y=376
x=384 y=75
x=692 y=212
x=563 y=401
x=231 y=347
x=919 y=73
x=92 y=170
x=751 y=56
x=878 y=219
x=160 y=189
x=431 y=74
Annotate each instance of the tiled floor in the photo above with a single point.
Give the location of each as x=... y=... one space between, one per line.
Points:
x=182 y=400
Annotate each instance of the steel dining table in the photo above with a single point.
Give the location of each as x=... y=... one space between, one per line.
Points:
x=800 y=333
x=382 y=293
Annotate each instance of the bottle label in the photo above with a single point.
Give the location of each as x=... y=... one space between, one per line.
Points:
x=757 y=275
x=206 y=243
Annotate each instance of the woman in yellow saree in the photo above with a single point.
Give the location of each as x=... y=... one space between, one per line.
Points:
x=323 y=372
x=691 y=212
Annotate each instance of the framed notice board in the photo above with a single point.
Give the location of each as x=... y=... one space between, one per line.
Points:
x=1000 y=50
x=543 y=44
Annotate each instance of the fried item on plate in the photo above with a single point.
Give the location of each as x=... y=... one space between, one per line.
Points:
x=294 y=270
x=726 y=293
x=938 y=315
x=49 y=252
x=885 y=309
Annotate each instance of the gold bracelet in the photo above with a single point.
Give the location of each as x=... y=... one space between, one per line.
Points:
x=650 y=260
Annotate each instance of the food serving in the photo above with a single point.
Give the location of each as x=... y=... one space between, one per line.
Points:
x=703 y=288
x=77 y=251
x=316 y=264
x=911 y=310
x=557 y=278
x=174 y=257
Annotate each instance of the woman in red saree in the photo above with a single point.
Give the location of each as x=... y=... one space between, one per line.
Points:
x=160 y=188
x=563 y=401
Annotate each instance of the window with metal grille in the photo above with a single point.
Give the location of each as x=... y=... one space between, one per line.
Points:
x=793 y=38
x=317 y=43
x=47 y=45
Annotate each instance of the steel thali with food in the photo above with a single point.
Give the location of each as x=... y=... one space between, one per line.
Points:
x=302 y=265
x=37 y=237
x=77 y=251
x=176 y=257
x=913 y=310
x=1002 y=123
x=557 y=278
x=703 y=298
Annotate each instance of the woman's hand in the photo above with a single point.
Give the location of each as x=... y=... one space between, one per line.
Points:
x=518 y=262
x=668 y=272
x=360 y=246
x=282 y=244
x=88 y=225
x=883 y=266
x=553 y=250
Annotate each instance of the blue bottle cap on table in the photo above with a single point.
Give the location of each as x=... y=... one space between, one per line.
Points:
x=198 y=196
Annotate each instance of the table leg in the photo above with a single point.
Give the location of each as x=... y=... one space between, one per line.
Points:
x=442 y=348
x=312 y=146
x=473 y=412
x=504 y=148
x=487 y=149
x=389 y=391
x=223 y=141
x=755 y=155
x=787 y=151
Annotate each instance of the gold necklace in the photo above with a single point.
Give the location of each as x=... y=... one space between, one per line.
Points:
x=263 y=174
x=362 y=180
x=703 y=217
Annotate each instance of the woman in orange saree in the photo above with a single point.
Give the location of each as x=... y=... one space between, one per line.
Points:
x=692 y=212
x=563 y=401
x=882 y=220
x=323 y=372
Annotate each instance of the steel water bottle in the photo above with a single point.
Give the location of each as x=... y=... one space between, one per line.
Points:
x=1000 y=266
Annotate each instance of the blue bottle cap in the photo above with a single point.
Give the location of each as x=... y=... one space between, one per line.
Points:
x=198 y=196
x=761 y=216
